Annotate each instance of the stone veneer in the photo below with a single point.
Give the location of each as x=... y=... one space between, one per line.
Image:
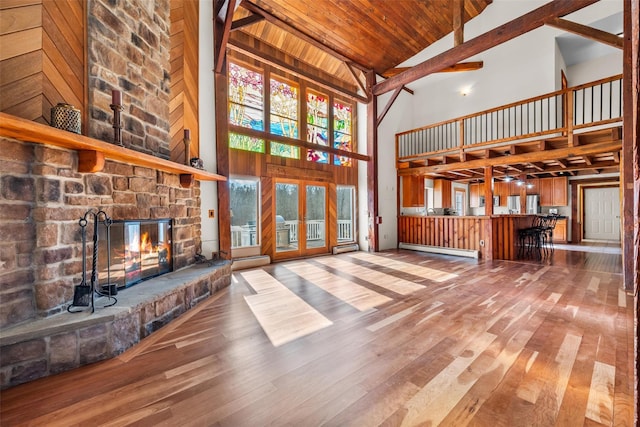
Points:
x=129 y=50
x=42 y=198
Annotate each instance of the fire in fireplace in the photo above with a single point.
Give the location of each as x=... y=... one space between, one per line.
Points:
x=140 y=249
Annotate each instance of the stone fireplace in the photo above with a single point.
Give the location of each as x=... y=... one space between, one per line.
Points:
x=50 y=178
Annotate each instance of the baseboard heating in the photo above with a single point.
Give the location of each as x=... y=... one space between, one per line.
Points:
x=441 y=250
x=345 y=248
x=250 y=262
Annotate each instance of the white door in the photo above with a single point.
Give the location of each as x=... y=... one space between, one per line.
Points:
x=602 y=213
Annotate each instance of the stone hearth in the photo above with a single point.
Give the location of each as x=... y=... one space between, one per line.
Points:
x=66 y=341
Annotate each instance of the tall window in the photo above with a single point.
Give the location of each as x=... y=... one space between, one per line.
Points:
x=346 y=209
x=342 y=131
x=284 y=118
x=317 y=126
x=243 y=199
x=246 y=106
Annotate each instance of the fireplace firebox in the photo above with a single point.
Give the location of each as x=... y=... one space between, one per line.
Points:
x=140 y=249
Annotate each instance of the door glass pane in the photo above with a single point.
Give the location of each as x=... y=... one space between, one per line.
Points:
x=287 y=217
x=315 y=216
x=243 y=198
x=345 y=206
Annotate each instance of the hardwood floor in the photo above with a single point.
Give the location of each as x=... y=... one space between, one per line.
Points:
x=358 y=339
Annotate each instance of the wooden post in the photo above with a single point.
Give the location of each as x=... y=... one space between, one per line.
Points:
x=222 y=149
x=629 y=165
x=487 y=232
x=372 y=166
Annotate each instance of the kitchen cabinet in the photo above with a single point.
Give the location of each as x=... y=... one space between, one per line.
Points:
x=560 y=231
x=535 y=186
x=554 y=191
x=441 y=193
x=476 y=192
x=502 y=189
x=412 y=191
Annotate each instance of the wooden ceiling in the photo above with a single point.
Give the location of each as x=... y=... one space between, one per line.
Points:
x=366 y=34
x=343 y=39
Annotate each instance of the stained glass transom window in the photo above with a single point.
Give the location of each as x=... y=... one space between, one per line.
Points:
x=284 y=150
x=247 y=143
x=342 y=117
x=246 y=97
x=317 y=126
x=284 y=109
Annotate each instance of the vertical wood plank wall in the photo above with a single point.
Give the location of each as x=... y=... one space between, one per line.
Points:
x=184 y=78
x=445 y=231
x=42 y=61
x=466 y=232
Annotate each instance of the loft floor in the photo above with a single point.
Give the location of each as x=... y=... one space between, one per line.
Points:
x=393 y=338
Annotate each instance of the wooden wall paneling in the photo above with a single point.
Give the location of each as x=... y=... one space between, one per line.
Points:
x=332 y=218
x=267 y=217
x=183 y=105
x=222 y=163
x=43 y=58
x=64 y=55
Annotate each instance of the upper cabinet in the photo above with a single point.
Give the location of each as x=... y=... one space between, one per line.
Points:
x=503 y=190
x=476 y=192
x=412 y=191
x=554 y=191
x=441 y=193
x=533 y=186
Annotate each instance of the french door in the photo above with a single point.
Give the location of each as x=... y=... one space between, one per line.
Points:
x=300 y=222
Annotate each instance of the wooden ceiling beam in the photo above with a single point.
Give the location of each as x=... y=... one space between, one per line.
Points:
x=222 y=32
x=603 y=147
x=355 y=77
x=299 y=34
x=248 y=20
x=298 y=72
x=587 y=32
x=538 y=165
x=461 y=66
x=510 y=30
x=457 y=7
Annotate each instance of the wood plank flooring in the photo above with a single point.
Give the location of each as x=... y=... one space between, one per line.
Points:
x=397 y=338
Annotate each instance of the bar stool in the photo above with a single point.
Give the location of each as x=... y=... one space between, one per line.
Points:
x=531 y=238
x=548 y=225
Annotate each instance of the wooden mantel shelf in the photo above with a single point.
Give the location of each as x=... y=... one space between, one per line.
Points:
x=92 y=152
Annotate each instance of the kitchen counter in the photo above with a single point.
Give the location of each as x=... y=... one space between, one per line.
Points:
x=494 y=237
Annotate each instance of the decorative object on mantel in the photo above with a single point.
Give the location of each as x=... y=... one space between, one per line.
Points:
x=116 y=106
x=197 y=163
x=84 y=293
x=187 y=146
x=66 y=117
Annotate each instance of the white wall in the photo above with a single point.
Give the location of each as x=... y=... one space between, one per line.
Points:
x=363 y=207
x=397 y=119
x=595 y=69
x=207 y=130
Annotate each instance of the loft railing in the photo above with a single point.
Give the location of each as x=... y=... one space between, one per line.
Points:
x=562 y=112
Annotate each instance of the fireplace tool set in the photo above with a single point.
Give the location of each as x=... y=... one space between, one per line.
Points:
x=84 y=293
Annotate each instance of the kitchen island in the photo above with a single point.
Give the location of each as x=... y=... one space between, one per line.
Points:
x=491 y=237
